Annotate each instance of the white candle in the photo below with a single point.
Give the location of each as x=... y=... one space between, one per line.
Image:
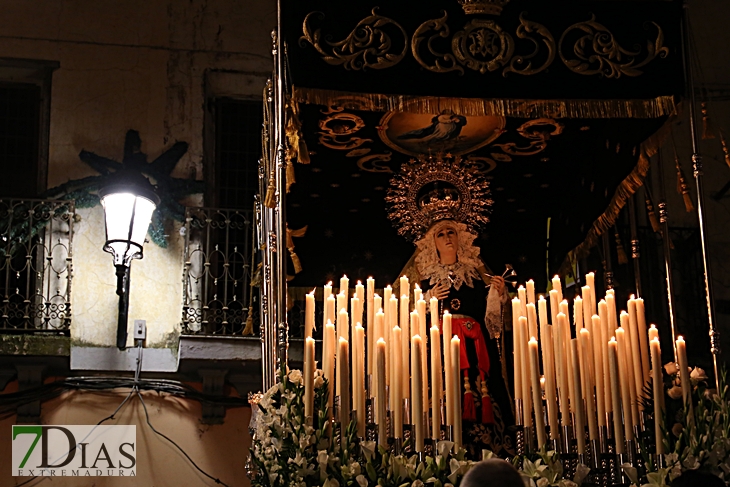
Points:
x=636 y=359
x=618 y=433
x=405 y=286
x=542 y=311
x=423 y=333
x=379 y=325
x=578 y=314
x=532 y=320
x=548 y=367
x=328 y=363
x=436 y=384
x=516 y=354
x=433 y=305
x=405 y=362
x=387 y=330
x=530 y=291
x=683 y=369
x=360 y=292
x=605 y=337
x=653 y=333
x=308 y=377
x=370 y=329
x=536 y=394
x=554 y=306
x=558 y=287
x=525 y=379
x=358 y=378
x=587 y=383
x=600 y=374
x=342 y=332
x=522 y=295
x=343 y=383
x=587 y=306
x=626 y=384
x=447 y=368
x=612 y=316
x=417 y=393
x=658 y=386
x=580 y=427
x=591 y=283
x=455 y=380
x=309 y=314
x=396 y=385
x=643 y=342
x=395 y=373
x=325 y=312
x=344 y=287
x=380 y=395
x=356 y=307
x=341 y=304
x=629 y=362
x=560 y=352
x=417 y=293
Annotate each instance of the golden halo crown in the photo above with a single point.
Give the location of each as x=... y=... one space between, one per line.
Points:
x=436 y=188
x=485 y=7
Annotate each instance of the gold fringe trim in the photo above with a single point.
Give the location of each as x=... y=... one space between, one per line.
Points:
x=651 y=108
x=626 y=189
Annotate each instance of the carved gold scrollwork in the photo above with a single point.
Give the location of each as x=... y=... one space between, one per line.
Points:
x=337 y=129
x=372 y=162
x=369 y=45
x=482 y=46
x=597 y=51
x=443 y=62
x=538 y=132
x=522 y=64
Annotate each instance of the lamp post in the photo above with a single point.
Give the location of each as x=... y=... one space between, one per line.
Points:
x=128 y=207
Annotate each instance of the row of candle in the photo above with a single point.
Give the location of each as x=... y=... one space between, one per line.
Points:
x=393 y=348
x=602 y=370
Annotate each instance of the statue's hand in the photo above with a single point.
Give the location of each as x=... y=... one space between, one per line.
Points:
x=498 y=285
x=439 y=291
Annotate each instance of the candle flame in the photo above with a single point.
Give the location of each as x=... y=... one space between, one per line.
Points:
x=312 y=291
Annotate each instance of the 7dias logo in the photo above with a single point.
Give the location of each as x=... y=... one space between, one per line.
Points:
x=74 y=451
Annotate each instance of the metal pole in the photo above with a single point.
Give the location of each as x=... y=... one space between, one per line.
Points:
x=635 y=254
x=697 y=166
x=667 y=248
x=607 y=264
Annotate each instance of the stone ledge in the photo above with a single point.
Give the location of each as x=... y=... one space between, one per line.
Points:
x=36 y=344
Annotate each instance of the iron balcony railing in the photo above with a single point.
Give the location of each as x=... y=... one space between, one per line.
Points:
x=35 y=265
x=217 y=297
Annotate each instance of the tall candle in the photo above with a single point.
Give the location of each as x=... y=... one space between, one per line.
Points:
x=587 y=383
x=456 y=399
x=548 y=367
x=518 y=364
x=525 y=379
x=360 y=292
x=532 y=320
x=612 y=316
x=342 y=332
x=423 y=333
x=343 y=383
x=387 y=330
x=325 y=311
x=356 y=307
x=580 y=427
x=658 y=386
x=530 y=286
x=522 y=296
x=379 y=329
x=554 y=306
x=417 y=293
x=396 y=385
x=395 y=373
x=568 y=357
x=578 y=314
x=683 y=369
x=626 y=384
x=329 y=310
x=433 y=306
x=328 y=363
x=370 y=329
x=542 y=311
x=591 y=283
x=417 y=392
x=643 y=342
x=600 y=373
x=308 y=376
x=405 y=287
x=380 y=396
x=405 y=326
x=344 y=287
x=562 y=373
x=653 y=333
x=605 y=337
x=636 y=351
x=436 y=384
x=358 y=378
x=447 y=368
x=341 y=304
x=536 y=394
x=629 y=362
x=558 y=287
x=309 y=314
x=613 y=372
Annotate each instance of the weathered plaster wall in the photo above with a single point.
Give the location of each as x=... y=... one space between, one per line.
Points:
x=220 y=450
x=134 y=64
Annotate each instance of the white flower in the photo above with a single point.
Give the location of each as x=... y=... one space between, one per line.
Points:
x=697 y=375
x=361 y=481
x=542 y=482
x=417 y=483
x=670 y=368
x=675 y=392
x=295 y=377
x=318 y=381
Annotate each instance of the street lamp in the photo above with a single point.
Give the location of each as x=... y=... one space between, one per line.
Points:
x=128 y=208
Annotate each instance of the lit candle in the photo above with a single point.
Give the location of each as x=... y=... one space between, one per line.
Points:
x=591 y=283
x=516 y=354
x=636 y=361
x=328 y=363
x=600 y=373
x=530 y=291
x=653 y=333
x=629 y=362
x=658 y=386
x=344 y=287
x=548 y=367
x=379 y=325
x=532 y=319
x=626 y=383
x=554 y=306
x=605 y=337
x=387 y=330
x=423 y=333
x=525 y=379
x=308 y=377
x=417 y=392
x=360 y=292
x=380 y=396
x=578 y=314
x=405 y=286
x=587 y=383
x=325 y=312
x=683 y=369
x=542 y=311
x=447 y=368
x=456 y=399
x=436 y=385
x=341 y=304
x=563 y=388
x=309 y=314
x=395 y=373
x=558 y=287
x=417 y=293
x=343 y=382
x=612 y=316
x=587 y=307
x=370 y=329
x=580 y=427
x=396 y=403
x=358 y=378
x=405 y=362
x=643 y=342
x=522 y=295
x=356 y=307
x=536 y=394
x=433 y=305
x=329 y=310
x=342 y=332
x=618 y=433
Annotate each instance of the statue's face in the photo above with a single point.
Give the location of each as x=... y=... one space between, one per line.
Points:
x=446 y=241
